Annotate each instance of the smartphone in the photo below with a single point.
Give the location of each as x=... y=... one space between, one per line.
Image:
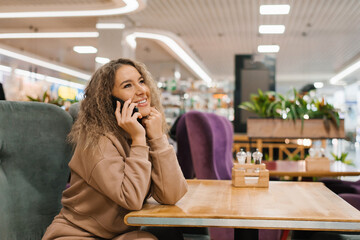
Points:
x=115 y=99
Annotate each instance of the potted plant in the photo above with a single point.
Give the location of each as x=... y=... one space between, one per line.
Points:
x=342 y=158
x=46 y=98
x=318 y=119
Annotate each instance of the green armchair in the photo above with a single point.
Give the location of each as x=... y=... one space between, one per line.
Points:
x=33 y=167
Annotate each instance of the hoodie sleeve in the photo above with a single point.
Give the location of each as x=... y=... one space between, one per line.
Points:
x=168 y=183
x=125 y=180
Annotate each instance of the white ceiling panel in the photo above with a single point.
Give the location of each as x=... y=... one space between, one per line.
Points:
x=321 y=36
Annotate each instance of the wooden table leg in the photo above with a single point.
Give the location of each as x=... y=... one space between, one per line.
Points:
x=245 y=234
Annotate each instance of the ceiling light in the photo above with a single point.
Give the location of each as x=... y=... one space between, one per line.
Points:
x=39 y=76
x=110 y=26
x=175 y=48
x=131 y=40
x=318 y=84
x=102 y=60
x=5 y=68
x=268 y=48
x=42 y=62
x=271 y=29
x=177 y=74
x=85 y=49
x=346 y=72
x=131 y=6
x=29 y=74
x=50 y=35
x=274 y=9
x=64 y=82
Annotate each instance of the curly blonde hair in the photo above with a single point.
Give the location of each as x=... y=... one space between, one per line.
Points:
x=96 y=115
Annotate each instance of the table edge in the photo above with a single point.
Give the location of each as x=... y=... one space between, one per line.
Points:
x=244 y=223
x=311 y=174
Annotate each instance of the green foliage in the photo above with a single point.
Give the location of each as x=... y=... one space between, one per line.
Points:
x=274 y=105
x=342 y=158
x=295 y=157
x=47 y=99
x=263 y=104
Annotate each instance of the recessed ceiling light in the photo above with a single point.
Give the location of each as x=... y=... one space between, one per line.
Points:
x=85 y=49
x=50 y=35
x=271 y=29
x=102 y=60
x=318 y=84
x=110 y=26
x=268 y=48
x=131 y=6
x=274 y=9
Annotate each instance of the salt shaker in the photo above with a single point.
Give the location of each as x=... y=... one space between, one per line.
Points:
x=241 y=156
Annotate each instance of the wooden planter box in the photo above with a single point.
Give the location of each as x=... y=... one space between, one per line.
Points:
x=279 y=128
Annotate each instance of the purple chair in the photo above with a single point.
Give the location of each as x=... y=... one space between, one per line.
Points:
x=183 y=149
x=205 y=152
x=352 y=199
x=340 y=186
x=205 y=145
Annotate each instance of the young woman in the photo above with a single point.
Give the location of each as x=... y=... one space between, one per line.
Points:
x=120 y=159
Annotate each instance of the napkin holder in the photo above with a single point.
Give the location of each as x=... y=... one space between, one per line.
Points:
x=317 y=164
x=250 y=175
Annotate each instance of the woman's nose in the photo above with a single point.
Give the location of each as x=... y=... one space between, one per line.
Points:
x=140 y=89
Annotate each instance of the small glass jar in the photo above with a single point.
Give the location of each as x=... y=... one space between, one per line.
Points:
x=241 y=156
x=257 y=156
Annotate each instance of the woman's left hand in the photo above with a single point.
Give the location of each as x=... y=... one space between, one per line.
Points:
x=153 y=124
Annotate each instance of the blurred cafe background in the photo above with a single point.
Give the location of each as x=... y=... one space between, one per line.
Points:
x=206 y=55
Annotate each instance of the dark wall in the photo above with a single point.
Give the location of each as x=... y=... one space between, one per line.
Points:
x=251 y=75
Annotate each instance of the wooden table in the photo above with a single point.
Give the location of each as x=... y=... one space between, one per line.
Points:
x=284 y=205
x=297 y=169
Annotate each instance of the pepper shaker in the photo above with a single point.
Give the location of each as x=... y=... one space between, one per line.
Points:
x=257 y=156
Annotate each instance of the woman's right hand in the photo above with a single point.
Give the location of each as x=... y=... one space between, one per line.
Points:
x=129 y=123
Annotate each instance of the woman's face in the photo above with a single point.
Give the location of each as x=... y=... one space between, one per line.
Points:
x=130 y=84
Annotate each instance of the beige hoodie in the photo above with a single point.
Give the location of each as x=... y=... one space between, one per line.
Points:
x=115 y=179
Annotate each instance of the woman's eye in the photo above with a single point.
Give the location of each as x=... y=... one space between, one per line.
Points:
x=127 y=86
x=142 y=81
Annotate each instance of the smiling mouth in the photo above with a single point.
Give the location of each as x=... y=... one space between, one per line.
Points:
x=142 y=101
